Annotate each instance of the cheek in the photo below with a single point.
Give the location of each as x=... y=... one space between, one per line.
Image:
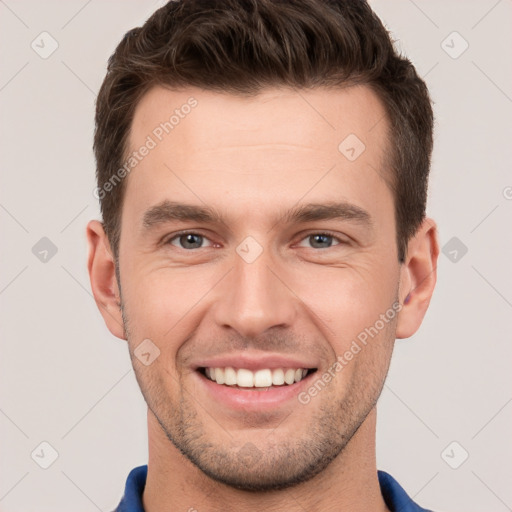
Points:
x=160 y=301
x=349 y=300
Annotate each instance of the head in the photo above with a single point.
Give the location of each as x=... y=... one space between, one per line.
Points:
x=292 y=144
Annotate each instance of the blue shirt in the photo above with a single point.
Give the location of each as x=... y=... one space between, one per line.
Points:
x=395 y=497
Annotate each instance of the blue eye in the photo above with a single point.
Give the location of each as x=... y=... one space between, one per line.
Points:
x=188 y=240
x=322 y=240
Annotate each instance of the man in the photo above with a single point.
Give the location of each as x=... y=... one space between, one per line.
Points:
x=262 y=170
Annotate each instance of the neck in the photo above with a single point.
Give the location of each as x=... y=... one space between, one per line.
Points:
x=350 y=482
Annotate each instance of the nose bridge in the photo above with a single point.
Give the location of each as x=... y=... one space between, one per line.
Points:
x=253 y=298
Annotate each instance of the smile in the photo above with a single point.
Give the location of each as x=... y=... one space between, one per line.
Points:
x=258 y=390
x=263 y=378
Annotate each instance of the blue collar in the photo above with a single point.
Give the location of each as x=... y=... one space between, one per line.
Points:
x=395 y=497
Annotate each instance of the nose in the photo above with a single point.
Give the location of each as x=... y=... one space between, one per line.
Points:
x=255 y=297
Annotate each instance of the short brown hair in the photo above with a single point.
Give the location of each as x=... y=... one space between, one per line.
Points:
x=243 y=46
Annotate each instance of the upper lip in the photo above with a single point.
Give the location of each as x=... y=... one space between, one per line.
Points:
x=254 y=362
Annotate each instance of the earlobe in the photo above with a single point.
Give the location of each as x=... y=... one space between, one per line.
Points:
x=418 y=278
x=102 y=276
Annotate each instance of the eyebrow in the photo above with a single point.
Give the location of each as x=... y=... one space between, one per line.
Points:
x=168 y=211
x=328 y=211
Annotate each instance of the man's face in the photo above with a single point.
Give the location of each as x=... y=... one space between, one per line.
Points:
x=261 y=289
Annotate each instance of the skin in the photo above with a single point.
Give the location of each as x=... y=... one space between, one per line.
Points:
x=253 y=159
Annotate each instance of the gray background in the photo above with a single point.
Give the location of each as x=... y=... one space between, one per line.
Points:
x=67 y=381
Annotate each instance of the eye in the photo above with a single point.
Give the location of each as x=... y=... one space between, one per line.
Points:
x=188 y=240
x=322 y=240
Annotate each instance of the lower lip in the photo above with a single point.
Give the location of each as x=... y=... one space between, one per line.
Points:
x=252 y=399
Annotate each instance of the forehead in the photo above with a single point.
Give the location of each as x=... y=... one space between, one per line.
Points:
x=215 y=146
x=277 y=115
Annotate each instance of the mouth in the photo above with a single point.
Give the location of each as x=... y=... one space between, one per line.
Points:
x=242 y=391
x=263 y=379
x=254 y=381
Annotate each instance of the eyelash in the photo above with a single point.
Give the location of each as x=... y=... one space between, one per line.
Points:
x=321 y=233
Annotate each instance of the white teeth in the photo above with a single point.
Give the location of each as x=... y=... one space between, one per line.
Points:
x=230 y=376
x=262 y=379
x=289 y=376
x=244 y=378
x=259 y=379
x=219 y=375
x=278 y=377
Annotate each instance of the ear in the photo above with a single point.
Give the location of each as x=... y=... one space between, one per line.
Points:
x=102 y=275
x=418 y=277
